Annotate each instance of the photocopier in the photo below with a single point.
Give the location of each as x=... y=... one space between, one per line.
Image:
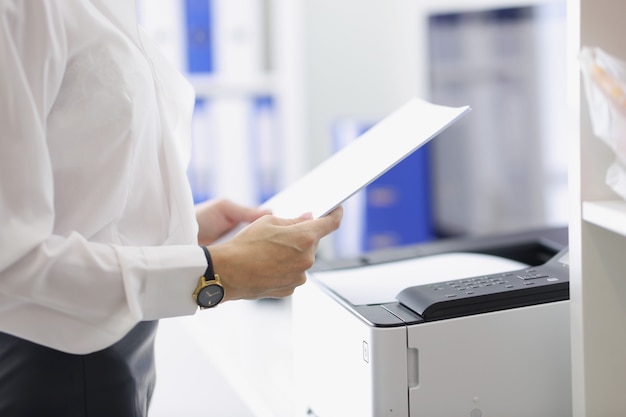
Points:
x=464 y=327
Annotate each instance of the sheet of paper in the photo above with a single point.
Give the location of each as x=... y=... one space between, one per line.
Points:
x=364 y=159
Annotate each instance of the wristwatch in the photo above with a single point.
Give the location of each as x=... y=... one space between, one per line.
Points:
x=209 y=291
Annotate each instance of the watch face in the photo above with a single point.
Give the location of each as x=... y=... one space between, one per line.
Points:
x=210 y=295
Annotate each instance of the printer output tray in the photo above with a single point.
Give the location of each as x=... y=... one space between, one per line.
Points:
x=546 y=279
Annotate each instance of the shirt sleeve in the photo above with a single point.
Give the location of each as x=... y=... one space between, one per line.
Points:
x=64 y=292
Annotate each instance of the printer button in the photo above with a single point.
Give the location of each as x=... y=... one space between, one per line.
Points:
x=532 y=275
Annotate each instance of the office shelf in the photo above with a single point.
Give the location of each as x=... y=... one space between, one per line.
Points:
x=610 y=215
x=597 y=229
x=208 y=86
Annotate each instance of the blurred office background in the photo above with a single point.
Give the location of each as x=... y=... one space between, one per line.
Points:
x=281 y=84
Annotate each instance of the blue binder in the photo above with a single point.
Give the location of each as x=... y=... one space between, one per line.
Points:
x=395 y=208
x=199 y=38
x=398 y=205
x=265 y=147
x=198 y=172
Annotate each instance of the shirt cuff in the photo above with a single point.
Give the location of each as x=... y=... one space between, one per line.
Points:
x=165 y=280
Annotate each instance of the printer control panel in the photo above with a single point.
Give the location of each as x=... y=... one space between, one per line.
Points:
x=534 y=285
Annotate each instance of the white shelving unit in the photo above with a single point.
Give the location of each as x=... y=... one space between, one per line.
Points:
x=597 y=230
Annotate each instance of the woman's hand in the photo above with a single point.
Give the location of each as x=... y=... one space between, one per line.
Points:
x=269 y=257
x=218 y=217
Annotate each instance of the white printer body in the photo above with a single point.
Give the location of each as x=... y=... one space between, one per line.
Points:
x=360 y=352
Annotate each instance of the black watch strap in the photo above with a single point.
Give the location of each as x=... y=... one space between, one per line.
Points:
x=209 y=274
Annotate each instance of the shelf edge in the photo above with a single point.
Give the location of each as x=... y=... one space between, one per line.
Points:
x=608 y=214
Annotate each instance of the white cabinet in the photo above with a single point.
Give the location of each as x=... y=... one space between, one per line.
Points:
x=597 y=230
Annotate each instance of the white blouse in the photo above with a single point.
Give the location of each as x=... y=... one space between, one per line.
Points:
x=97 y=224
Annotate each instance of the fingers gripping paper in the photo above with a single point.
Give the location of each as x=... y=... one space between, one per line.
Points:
x=364 y=159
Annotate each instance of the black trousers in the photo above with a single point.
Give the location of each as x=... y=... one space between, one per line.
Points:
x=41 y=382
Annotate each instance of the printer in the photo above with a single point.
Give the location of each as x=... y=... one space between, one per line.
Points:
x=464 y=327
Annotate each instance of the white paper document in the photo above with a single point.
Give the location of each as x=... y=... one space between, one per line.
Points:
x=363 y=160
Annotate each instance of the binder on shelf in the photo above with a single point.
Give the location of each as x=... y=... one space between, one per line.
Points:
x=164 y=22
x=398 y=209
x=265 y=148
x=221 y=44
x=234 y=158
x=235 y=152
x=238 y=39
x=491 y=59
x=394 y=210
x=201 y=171
x=199 y=36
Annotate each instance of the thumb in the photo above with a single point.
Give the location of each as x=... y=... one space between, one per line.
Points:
x=255 y=213
x=282 y=221
x=246 y=214
x=305 y=216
